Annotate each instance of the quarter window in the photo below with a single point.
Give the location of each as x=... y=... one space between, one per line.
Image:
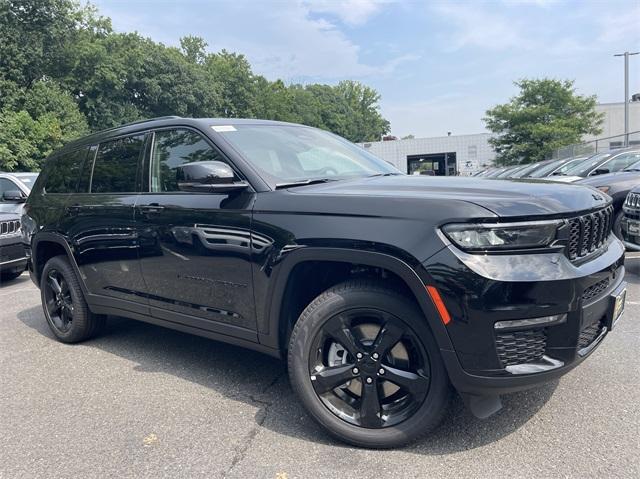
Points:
x=116 y=166
x=173 y=148
x=65 y=171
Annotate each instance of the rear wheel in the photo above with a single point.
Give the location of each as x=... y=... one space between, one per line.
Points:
x=366 y=366
x=65 y=308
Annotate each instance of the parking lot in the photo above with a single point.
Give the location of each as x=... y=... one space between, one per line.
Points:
x=142 y=401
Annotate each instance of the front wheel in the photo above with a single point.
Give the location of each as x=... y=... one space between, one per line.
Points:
x=366 y=366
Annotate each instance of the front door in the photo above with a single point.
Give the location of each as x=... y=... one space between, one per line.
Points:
x=195 y=247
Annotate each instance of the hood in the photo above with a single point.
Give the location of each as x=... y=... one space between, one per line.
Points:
x=506 y=198
x=612 y=178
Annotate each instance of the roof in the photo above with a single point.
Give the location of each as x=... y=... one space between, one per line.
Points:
x=164 y=121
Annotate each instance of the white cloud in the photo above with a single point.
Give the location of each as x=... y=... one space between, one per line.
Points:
x=351 y=12
x=290 y=43
x=616 y=27
x=473 y=26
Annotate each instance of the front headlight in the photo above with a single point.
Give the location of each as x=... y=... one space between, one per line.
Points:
x=502 y=236
x=604 y=189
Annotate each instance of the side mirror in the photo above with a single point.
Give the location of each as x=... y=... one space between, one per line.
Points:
x=13 y=196
x=208 y=177
x=600 y=171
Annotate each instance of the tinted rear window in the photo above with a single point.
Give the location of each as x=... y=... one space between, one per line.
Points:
x=65 y=170
x=116 y=165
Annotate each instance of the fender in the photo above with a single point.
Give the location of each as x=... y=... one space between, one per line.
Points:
x=62 y=241
x=399 y=267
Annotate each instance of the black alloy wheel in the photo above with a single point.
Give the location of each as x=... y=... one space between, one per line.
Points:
x=369 y=368
x=58 y=301
x=65 y=308
x=366 y=366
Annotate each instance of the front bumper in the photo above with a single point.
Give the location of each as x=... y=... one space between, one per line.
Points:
x=479 y=292
x=631 y=237
x=12 y=254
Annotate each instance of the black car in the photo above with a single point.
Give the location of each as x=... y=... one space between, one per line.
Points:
x=13 y=261
x=630 y=224
x=616 y=185
x=384 y=291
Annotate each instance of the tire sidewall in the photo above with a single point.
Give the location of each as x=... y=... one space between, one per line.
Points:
x=311 y=321
x=78 y=325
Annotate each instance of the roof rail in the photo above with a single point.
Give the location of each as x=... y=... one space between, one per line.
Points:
x=168 y=117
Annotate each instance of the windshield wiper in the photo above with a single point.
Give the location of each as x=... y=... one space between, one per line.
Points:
x=313 y=181
x=384 y=174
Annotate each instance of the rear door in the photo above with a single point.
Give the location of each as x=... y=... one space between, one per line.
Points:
x=100 y=224
x=195 y=247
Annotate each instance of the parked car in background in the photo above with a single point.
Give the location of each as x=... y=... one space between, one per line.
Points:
x=532 y=167
x=617 y=185
x=495 y=172
x=507 y=172
x=384 y=291
x=601 y=163
x=631 y=220
x=13 y=260
x=556 y=167
x=14 y=189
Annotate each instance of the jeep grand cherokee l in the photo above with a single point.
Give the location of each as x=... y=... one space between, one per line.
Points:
x=384 y=291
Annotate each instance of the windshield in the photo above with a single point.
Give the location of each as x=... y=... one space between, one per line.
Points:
x=27 y=178
x=633 y=167
x=546 y=169
x=583 y=168
x=288 y=154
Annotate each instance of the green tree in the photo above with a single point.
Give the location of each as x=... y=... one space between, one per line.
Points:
x=36 y=121
x=545 y=115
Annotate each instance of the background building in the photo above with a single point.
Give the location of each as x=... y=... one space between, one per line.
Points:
x=445 y=155
x=613 y=124
x=465 y=154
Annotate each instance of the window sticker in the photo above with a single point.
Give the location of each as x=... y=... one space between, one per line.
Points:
x=223 y=128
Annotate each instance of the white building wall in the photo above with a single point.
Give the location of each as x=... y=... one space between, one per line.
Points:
x=613 y=124
x=473 y=152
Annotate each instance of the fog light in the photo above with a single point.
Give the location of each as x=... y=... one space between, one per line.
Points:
x=526 y=323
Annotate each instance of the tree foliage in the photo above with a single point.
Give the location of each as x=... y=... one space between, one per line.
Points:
x=65 y=72
x=545 y=115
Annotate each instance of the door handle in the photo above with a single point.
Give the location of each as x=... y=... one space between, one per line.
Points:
x=151 y=208
x=73 y=210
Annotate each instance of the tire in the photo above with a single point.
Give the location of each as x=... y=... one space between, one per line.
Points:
x=10 y=275
x=367 y=306
x=65 y=308
x=617 y=226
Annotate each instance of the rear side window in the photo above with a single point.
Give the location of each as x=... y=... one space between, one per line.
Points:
x=65 y=170
x=116 y=165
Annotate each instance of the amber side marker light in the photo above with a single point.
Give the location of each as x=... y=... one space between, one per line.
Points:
x=434 y=294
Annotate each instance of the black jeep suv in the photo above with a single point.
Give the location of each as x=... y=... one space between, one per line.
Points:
x=382 y=290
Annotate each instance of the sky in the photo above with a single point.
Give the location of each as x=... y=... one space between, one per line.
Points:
x=438 y=66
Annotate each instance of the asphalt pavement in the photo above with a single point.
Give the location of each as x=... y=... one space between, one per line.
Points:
x=143 y=401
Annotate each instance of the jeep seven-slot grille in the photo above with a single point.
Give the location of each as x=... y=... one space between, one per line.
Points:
x=9 y=227
x=520 y=347
x=589 y=334
x=633 y=200
x=595 y=289
x=589 y=232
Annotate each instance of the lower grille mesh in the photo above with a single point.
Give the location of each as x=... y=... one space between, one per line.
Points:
x=595 y=289
x=520 y=347
x=589 y=334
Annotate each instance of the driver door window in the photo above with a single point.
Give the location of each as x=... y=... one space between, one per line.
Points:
x=173 y=148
